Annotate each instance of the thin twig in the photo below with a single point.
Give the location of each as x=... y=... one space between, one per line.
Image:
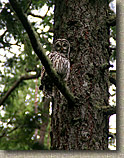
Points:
x=16 y=84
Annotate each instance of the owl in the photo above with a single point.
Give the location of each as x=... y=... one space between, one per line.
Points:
x=59 y=57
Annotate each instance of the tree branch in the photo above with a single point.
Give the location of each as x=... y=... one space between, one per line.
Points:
x=39 y=16
x=1 y=37
x=111 y=20
x=113 y=71
x=29 y=4
x=105 y=66
x=111 y=49
x=24 y=77
x=6 y=44
x=112 y=80
x=108 y=110
x=36 y=16
x=5 y=132
x=112 y=77
x=40 y=52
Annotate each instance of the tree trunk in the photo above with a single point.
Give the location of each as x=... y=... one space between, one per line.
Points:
x=83 y=126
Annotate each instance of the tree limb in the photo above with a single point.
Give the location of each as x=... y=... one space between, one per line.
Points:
x=1 y=37
x=29 y=4
x=40 y=52
x=6 y=44
x=5 y=132
x=112 y=49
x=112 y=77
x=36 y=16
x=111 y=20
x=39 y=16
x=24 y=77
x=112 y=71
x=108 y=110
x=112 y=80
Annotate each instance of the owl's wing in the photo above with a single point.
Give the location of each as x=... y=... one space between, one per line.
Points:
x=51 y=56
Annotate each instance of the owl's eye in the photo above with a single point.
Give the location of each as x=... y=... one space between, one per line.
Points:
x=58 y=43
x=64 y=44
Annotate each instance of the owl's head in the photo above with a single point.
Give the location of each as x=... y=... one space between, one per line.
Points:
x=62 y=46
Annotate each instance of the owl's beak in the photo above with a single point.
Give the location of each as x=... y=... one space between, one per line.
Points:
x=61 y=48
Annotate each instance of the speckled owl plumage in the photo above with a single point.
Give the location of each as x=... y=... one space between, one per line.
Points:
x=59 y=57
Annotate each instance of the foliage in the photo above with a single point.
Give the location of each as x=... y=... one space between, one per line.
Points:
x=18 y=118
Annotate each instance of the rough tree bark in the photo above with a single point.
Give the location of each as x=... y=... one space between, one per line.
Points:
x=83 y=126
